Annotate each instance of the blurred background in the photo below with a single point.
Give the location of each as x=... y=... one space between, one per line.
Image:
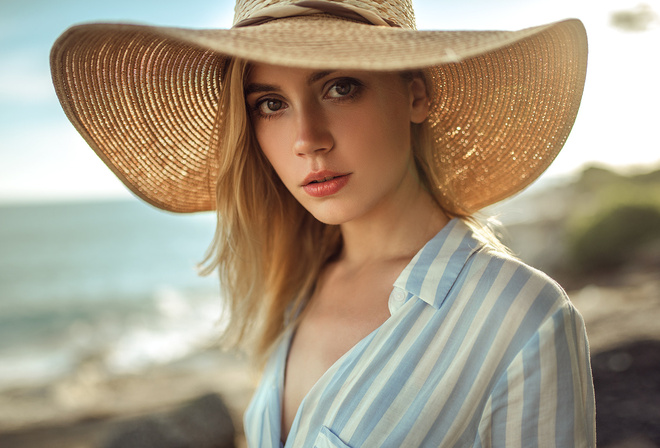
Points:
x=103 y=317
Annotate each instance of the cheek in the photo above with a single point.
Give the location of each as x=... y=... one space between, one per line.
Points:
x=272 y=143
x=276 y=148
x=390 y=134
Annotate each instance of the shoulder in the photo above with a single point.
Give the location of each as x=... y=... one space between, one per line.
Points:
x=501 y=277
x=507 y=307
x=515 y=304
x=507 y=299
x=458 y=271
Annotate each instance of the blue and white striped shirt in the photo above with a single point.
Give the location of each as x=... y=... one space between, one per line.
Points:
x=480 y=350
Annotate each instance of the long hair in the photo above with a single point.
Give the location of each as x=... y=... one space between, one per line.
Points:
x=267 y=248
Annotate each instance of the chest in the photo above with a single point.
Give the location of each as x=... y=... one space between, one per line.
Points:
x=394 y=388
x=336 y=320
x=319 y=341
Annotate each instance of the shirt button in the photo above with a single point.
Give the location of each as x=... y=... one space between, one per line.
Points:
x=398 y=296
x=397 y=299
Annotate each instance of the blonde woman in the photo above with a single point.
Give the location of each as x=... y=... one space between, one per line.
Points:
x=345 y=154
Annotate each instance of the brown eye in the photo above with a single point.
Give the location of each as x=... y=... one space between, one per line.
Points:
x=270 y=106
x=341 y=88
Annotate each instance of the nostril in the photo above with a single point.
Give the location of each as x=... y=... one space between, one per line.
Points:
x=314 y=144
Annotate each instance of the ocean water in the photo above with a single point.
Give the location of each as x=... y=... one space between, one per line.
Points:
x=115 y=282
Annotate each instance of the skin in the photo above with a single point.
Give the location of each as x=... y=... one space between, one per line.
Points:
x=355 y=124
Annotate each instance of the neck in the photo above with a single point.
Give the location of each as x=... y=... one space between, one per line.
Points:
x=398 y=230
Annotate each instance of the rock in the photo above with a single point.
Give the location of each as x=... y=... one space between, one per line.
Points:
x=203 y=423
x=627 y=385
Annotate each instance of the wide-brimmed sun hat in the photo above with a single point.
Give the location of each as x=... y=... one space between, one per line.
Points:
x=145 y=98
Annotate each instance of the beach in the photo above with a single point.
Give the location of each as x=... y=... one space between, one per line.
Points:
x=99 y=336
x=83 y=408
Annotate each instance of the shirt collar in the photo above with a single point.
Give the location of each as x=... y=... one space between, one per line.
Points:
x=434 y=270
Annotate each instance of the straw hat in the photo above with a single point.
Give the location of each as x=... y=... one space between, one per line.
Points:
x=145 y=98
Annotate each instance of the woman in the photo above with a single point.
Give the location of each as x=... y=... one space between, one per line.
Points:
x=345 y=154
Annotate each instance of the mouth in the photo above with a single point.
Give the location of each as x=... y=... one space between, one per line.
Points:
x=325 y=179
x=320 y=177
x=323 y=184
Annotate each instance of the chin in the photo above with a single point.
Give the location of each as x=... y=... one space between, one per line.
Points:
x=330 y=215
x=328 y=218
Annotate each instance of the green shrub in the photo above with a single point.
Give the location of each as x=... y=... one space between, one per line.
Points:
x=609 y=239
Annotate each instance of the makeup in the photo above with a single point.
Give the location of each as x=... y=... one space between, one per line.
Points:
x=324 y=183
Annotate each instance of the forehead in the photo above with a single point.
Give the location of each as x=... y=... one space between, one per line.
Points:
x=264 y=73
x=262 y=77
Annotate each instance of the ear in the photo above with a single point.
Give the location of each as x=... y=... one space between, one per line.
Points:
x=419 y=100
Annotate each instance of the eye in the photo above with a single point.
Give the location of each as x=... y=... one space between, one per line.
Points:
x=269 y=106
x=342 y=88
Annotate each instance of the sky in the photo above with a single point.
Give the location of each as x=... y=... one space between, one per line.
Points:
x=42 y=158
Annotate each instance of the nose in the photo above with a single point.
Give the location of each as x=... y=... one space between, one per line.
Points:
x=313 y=135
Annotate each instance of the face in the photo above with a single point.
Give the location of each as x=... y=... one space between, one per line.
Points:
x=338 y=140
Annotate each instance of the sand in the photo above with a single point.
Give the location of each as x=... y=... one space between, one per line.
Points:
x=78 y=411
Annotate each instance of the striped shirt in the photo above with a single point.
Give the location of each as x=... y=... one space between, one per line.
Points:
x=480 y=350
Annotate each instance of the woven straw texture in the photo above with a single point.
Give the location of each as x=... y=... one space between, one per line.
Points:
x=146 y=98
x=399 y=12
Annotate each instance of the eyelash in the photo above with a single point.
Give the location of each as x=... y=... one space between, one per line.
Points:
x=355 y=92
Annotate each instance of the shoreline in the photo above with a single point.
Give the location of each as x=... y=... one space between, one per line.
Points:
x=85 y=406
x=80 y=409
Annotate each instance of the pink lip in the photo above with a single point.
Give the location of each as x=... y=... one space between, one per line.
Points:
x=315 y=185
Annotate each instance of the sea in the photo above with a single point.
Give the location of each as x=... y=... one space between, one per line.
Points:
x=116 y=282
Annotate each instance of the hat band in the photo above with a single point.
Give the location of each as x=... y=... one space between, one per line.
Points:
x=309 y=7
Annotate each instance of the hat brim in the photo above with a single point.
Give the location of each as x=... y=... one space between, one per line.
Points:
x=146 y=98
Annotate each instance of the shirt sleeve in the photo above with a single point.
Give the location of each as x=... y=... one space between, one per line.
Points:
x=545 y=397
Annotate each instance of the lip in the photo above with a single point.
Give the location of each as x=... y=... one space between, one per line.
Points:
x=315 y=185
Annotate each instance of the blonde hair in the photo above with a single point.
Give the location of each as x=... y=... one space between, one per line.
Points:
x=267 y=248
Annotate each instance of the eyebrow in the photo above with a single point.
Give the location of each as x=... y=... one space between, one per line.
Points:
x=311 y=79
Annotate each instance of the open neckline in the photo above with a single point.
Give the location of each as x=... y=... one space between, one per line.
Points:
x=330 y=371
